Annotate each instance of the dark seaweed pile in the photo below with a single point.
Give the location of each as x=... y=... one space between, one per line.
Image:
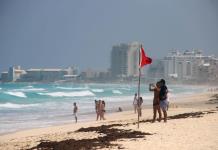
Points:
x=109 y=135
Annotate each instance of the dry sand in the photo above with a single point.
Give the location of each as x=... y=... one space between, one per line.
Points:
x=192 y=124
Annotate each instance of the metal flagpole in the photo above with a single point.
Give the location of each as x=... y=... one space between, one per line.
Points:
x=139 y=85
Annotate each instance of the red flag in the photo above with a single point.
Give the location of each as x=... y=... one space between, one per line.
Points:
x=144 y=59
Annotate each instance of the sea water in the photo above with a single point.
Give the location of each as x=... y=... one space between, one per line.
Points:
x=33 y=105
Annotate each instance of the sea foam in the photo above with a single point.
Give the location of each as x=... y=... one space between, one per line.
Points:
x=12 y=105
x=98 y=90
x=29 y=89
x=117 y=92
x=71 y=88
x=17 y=94
x=64 y=88
x=69 y=94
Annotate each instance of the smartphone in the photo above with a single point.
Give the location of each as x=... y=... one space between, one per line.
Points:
x=151 y=86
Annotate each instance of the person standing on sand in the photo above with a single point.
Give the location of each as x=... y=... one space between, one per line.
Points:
x=75 y=110
x=163 y=98
x=97 y=108
x=156 y=101
x=139 y=106
x=96 y=105
x=103 y=109
x=135 y=102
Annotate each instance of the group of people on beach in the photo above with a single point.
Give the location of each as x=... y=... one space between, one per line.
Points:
x=100 y=109
x=160 y=102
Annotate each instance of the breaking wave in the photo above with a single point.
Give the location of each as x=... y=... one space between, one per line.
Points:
x=98 y=90
x=117 y=92
x=12 y=105
x=17 y=94
x=71 y=88
x=29 y=90
x=64 y=88
x=69 y=94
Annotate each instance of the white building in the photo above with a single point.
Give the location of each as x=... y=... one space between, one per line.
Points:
x=14 y=73
x=124 y=60
x=33 y=75
x=44 y=75
x=185 y=65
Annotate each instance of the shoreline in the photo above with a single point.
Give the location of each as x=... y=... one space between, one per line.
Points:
x=126 y=108
x=182 y=101
x=29 y=138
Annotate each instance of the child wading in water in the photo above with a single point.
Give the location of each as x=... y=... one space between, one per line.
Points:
x=156 y=101
x=75 y=109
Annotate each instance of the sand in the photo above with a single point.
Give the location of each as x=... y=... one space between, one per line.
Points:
x=192 y=124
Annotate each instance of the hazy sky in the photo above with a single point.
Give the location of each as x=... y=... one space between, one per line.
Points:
x=51 y=33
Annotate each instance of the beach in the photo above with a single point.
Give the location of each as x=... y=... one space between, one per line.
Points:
x=192 y=124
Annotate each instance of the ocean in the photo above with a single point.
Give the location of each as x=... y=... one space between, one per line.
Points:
x=33 y=105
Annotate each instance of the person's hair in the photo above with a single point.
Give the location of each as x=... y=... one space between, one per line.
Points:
x=135 y=93
x=74 y=103
x=163 y=81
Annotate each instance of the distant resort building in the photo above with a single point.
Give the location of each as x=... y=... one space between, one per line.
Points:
x=124 y=60
x=15 y=74
x=190 y=65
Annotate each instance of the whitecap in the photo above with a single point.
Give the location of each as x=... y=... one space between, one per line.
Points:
x=64 y=88
x=126 y=89
x=29 y=90
x=98 y=90
x=81 y=88
x=117 y=92
x=17 y=94
x=71 y=88
x=69 y=94
x=29 y=86
x=12 y=105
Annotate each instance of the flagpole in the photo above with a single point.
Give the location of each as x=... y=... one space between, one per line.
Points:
x=139 y=84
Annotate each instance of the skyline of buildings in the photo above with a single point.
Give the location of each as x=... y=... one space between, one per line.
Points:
x=189 y=65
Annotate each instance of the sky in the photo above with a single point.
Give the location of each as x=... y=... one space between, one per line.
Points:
x=62 y=33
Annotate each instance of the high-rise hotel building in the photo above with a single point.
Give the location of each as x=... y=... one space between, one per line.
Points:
x=124 y=59
x=189 y=64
